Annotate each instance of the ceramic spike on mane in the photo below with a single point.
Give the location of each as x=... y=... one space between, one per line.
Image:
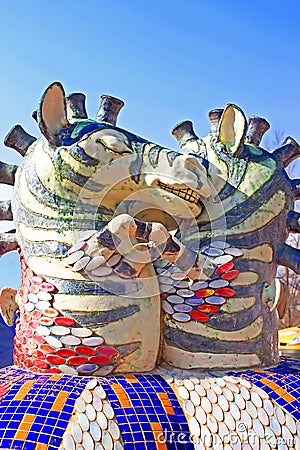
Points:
x=142 y=267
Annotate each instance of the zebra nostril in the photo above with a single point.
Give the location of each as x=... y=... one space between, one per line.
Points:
x=109 y=109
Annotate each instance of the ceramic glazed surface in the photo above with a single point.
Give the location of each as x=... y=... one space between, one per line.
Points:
x=164 y=410
x=153 y=263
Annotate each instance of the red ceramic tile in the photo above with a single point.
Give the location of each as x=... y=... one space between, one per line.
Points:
x=202 y=293
x=40 y=364
x=37 y=354
x=225 y=267
x=208 y=308
x=83 y=350
x=225 y=292
x=26 y=317
x=230 y=275
x=54 y=359
x=65 y=352
x=53 y=370
x=46 y=348
x=48 y=287
x=29 y=333
x=199 y=316
x=38 y=338
x=33 y=324
x=101 y=359
x=21 y=357
x=106 y=350
x=28 y=363
x=64 y=321
x=27 y=351
x=77 y=360
x=36 y=314
x=24 y=326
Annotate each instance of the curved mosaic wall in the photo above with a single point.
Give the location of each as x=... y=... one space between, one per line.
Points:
x=165 y=410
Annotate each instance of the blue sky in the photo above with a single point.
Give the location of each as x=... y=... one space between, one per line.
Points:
x=168 y=60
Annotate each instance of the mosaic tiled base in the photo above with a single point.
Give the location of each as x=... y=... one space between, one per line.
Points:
x=167 y=410
x=282 y=384
x=242 y=410
x=35 y=411
x=145 y=407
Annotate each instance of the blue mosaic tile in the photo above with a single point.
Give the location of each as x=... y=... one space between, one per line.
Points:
x=32 y=436
x=286 y=375
x=146 y=408
x=47 y=425
x=43 y=439
x=135 y=421
x=143 y=446
x=9 y=433
x=139 y=437
x=53 y=414
x=54 y=440
x=29 y=445
x=5 y=443
x=135 y=427
x=296 y=414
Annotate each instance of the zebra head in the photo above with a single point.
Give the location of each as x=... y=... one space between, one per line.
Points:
x=107 y=166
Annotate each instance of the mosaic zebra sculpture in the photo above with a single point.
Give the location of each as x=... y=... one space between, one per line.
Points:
x=143 y=268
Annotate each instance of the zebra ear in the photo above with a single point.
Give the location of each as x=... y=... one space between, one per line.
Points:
x=52 y=113
x=232 y=128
